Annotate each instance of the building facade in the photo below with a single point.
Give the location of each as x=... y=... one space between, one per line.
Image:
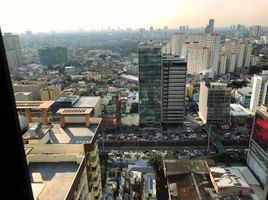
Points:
x=23 y=96
x=214 y=102
x=173 y=90
x=50 y=93
x=197 y=59
x=177 y=40
x=150 y=68
x=259 y=91
x=257 y=158
x=239 y=49
x=13 y=50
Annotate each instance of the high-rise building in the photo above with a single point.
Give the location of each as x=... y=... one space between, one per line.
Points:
x=239 y=49
x=227 y=62
x=173 y=90
x=177 y=40
x=185 y=48
x=50 y=93
x=214 y=102
x=211 y=41
x=210 y=27
x=150 y=68
x=197 y=59
x=255 y=32
x=13 y=50
x=259 y=91
x=257 y=158
x=247 y=54
x=53 y=55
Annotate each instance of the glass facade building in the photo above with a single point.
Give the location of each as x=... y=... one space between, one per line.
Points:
x=150 y=68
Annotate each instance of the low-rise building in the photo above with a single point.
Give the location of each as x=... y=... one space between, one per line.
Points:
x=23 y=96
x=63 y=158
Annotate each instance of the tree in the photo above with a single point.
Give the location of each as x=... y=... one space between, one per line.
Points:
x=155 y=160
x=68 y=78
x=134 y=108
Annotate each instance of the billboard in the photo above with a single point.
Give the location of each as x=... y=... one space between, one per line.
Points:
x=260 y=132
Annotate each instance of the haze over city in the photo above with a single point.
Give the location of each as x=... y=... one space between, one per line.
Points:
x=50 y=15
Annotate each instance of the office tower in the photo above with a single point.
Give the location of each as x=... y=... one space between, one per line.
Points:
x=214 y=102
x=34 y=89
x=255 y=32
x=150 y=68
x=50 y=93
x=227 y=62
x=197 y=59
x=257 y=158
x=53 y=55
x=259 y=90
x=210 y=27
x=239 y=49
x=23 y=96
x=177 y=40
x=247 y=54
x=173 y=90
x=212 y=42
x=13 y=50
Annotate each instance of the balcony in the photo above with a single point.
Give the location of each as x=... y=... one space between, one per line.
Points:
x=96 y=172
x=96 y=192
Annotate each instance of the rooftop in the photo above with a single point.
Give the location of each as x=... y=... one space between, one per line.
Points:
x=33 y=104
x=173 y=167
x=87 y=102
x=72 y=134
x=68 y=98
x=247 y=91
x=52 y=180
x=238 y=110
x=36 y=133
x=228 y=177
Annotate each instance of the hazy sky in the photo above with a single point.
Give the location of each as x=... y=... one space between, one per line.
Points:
x=61 y=15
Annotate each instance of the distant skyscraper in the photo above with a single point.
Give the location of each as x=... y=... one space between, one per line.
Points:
x=173 y=90
x=210 y=27
x=197 y=59
x=177 y=40
x=150 y=68
x=259 y=91
x=214 y=102
x=255 y=32
x=247 y=54
x=13 y=50
x=258 y=149
x=53 y=55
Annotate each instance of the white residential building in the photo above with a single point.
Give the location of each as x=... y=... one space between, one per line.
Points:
x=226 y=62
x=197 y=59
x=177 y=40
x=259 y=92
x=239 y=49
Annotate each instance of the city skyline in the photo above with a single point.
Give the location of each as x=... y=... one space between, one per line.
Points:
x=97 y=15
